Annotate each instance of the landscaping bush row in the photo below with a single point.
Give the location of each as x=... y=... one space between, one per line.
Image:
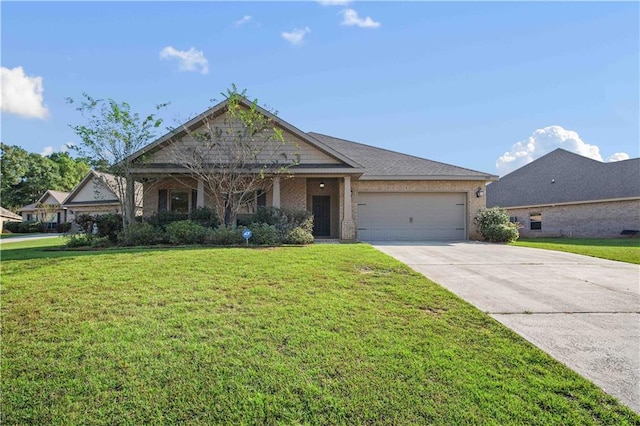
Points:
x=31 y=226
x=494 y=225
x=269 y=226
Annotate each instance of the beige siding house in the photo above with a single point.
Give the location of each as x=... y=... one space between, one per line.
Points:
x=8 y=216
x=563 y=194
x=95 y=195
x=48 y=208
x=355 y=191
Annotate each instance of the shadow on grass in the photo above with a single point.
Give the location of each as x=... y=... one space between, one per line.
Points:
x=60 y=252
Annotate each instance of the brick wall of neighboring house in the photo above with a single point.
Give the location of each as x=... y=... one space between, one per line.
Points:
x=474 y=203
x=581 y=220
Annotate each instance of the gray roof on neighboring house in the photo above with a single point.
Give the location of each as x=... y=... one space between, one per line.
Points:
x=564 y=177
x=381 y=163
x=9 y=214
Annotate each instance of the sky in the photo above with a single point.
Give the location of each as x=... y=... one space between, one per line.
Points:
x=487 y=86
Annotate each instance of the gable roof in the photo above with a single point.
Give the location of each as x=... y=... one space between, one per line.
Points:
x=9 y=214
x=221 y=108
x=383 y=164
x=86 y=180
x=564 y=177
x=58 y=196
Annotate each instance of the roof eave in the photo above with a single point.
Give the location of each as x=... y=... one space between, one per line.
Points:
x=484 y=178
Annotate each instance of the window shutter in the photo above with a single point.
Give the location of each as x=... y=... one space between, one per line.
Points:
x=162 y=200
x=194 y=199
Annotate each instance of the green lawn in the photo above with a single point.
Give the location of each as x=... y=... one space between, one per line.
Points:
x=621 y=249
x=5 y=236
x=325 y=334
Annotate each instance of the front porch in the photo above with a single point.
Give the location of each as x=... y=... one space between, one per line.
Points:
x=324 y=196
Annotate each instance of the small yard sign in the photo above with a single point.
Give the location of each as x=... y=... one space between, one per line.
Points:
x=246 y=234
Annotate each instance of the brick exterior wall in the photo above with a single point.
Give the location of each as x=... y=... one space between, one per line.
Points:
x=293 y=193
x=598 y=220
x=474 y=203
x=297 y=192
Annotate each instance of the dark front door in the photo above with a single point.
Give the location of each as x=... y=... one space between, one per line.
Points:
x=321 y=209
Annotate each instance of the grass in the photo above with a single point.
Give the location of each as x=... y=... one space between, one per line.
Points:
x=326 y=334
x=15 y=234
x=620 y=249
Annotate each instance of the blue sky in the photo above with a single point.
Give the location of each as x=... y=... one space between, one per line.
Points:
x=483 y=85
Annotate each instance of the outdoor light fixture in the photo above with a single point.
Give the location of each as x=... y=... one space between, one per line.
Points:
x=321 y=184
x=479 y=192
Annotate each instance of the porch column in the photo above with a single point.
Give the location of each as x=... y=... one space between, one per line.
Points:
x=276 y=192
x=347 y=199
x=200 y=194
x=348 y=231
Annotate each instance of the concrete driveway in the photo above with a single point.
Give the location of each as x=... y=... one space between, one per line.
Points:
x=583 y=311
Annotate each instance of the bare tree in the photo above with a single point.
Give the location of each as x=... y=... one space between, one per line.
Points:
x=236 y=154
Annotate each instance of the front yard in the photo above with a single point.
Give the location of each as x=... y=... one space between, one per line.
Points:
x=620 y=249
x=324 y=334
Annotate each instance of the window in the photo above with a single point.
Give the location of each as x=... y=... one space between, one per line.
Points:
x=179 y=201
x=513 y=219
x=29 y=217
x=535 y=221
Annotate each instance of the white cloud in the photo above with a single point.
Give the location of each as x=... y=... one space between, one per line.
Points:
x=21 y=94
x=334 y=2
x=189 y=60
x=244 y=20
x=48 y=150
x=350 y=17
x=296 y=37
x=541 y=142
x=618 y=156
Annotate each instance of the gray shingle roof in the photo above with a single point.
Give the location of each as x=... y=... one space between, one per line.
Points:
x=9 y=214
x=562 y=177
x=382 y=163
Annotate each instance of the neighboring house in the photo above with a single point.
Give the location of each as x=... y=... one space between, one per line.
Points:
x=7 y=216
x=96 y=194
x=565 y=194
x=354 y=191
x=48 y=208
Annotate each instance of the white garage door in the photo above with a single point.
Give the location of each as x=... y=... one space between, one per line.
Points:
x=403 y=216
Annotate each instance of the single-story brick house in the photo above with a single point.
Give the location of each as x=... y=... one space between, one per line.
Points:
x=355 y=191
x=48 y=208
x=96 y=194
x=566 y=194
x=8 y=216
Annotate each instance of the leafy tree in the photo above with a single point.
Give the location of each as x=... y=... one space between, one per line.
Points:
x=238 y=157
x=26 y=176
x=112 y=133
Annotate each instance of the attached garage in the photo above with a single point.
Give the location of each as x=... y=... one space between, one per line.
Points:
x=411 y=216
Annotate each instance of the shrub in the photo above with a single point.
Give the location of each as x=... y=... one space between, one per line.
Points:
x=224 y=236
x=86 y=222
x=494 y=225
x=140 y=234
x=163 y=218
x=298 y=235
x=285 y=220
x=109 y=225
x=263 y=234
x=186 y=232
x=205 y=216
x=12 y=227
x=78 y=240
x=63 y=227
x=502 y=233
